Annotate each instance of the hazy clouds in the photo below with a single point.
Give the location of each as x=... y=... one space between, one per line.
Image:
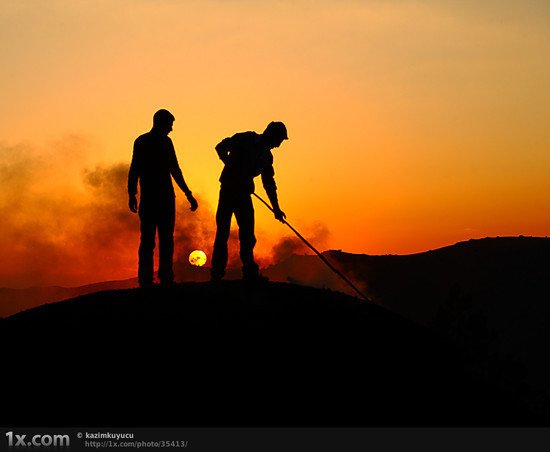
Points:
x=66 y=221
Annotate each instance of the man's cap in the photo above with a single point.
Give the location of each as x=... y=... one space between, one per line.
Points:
x=277 y=129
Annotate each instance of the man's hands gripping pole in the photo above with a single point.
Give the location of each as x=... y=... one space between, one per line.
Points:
x=279 y=215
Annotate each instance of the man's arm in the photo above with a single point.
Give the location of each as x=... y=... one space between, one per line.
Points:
x=133 y=176
x=268 y=181
x=223 y=148
x=175 y=170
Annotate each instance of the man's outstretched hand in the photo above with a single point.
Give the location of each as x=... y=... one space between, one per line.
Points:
x=193 y=202
x=279 y=215
x=133 y=204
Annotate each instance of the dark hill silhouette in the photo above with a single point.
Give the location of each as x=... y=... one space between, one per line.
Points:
x=490 y=296
x=491 y=269
x=228 y=354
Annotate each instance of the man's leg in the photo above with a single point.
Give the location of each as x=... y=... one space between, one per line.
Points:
x=166 y=221
x=223 y=226
x=146 y=246
x=244 y=213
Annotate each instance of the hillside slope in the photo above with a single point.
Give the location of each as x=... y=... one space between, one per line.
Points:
x=228 y=354
x=490 y=296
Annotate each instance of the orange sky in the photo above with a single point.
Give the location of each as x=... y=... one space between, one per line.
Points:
x=412 y=124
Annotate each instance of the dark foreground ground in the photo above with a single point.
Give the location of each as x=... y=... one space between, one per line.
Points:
x=202 y=354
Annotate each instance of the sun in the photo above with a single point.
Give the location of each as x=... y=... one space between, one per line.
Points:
x=197 y=258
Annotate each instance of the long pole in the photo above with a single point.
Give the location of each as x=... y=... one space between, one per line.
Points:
x=329 y=265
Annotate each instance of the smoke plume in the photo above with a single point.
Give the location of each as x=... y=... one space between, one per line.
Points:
x=67 y=222
x=317 y=236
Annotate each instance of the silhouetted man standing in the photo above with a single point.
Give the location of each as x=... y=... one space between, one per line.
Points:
x=154 y=163
x=245 y=155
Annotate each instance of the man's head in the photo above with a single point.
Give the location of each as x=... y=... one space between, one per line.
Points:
x=162 y=121
x=275 y=133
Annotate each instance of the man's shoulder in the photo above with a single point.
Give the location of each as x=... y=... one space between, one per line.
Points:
x=149 y=137
x=142 y=138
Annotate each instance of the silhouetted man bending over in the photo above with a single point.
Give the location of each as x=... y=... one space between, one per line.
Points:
x=246 y=155
x=154 y=163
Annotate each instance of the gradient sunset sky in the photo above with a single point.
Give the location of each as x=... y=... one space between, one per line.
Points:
x=413 y=124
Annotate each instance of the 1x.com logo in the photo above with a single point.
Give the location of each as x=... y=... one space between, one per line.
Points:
x=37 y=440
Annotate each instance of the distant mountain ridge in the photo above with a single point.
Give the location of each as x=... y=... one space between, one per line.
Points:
x=491 y=296
x=16 y=300
x=390 y=279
